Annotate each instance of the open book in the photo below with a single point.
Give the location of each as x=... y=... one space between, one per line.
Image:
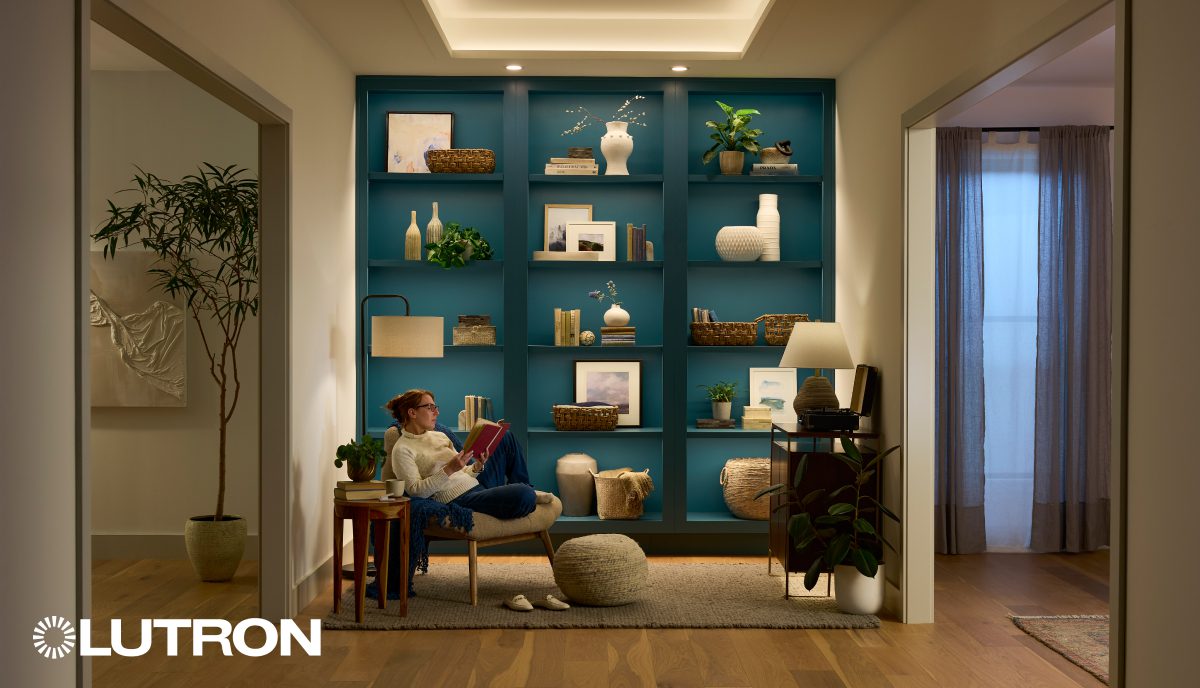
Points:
x=485 y=436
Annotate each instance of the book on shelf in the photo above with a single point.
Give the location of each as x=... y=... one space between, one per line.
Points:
x=713 y=423
x=566 y=327
x=357 y=485
x=358 y=495
x=704 y=315
x=572 y=161
x=635 y=243
x=556 y=169
x=584 y=256
x=485 y=436
x=474 y=408
x=766 y=169
x=618 y=329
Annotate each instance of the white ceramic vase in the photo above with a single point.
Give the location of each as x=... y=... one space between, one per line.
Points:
x=412 y=240
x=433 y=231
x=616 y=316
x=768 y=225
x=855 y=593
x=576 y=486
x=739 y=243
x=616 y=145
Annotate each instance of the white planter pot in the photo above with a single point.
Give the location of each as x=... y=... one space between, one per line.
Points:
x=739 y=243
x=721 y=409
x=215 y=548
x=616 y=316
x=855 y=593
x=616 y=145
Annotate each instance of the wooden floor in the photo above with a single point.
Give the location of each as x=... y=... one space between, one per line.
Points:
x=972 y=643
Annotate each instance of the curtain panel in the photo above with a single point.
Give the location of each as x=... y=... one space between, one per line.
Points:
x=1072 y=408
x=959 y=476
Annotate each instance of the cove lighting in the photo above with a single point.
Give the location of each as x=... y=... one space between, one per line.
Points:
x=679 y=68
x=514 y=68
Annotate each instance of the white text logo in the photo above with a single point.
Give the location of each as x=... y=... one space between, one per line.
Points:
x=54 y=637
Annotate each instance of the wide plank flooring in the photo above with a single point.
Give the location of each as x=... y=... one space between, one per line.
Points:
x=972 y=642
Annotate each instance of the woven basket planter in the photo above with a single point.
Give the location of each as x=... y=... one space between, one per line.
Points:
x=778 y=328
x=614 y=501
x=585 y=417
x=462 y=161
x=741 y=479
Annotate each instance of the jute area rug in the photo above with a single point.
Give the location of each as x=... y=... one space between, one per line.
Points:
x=678 y=596
x=1081 y=639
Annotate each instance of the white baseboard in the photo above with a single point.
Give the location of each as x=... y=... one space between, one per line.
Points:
x=151 y=546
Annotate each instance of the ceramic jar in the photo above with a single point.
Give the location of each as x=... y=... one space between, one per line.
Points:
x=576 y=487
x=768 y=225
x=616 y=316
x=616 y=145
x=433 y=231
x=739 y=243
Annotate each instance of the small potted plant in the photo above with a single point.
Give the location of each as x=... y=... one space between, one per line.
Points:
x=841 y=534
x=458 y=246
x=721 y=395
x=360 y=458
x=733 y=136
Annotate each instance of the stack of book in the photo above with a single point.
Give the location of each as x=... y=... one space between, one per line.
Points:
x=777 y=169
x=704 y=315
x=566 y=327
x=474 y=408
x=572 y=166
x=713 y=423
x=756 y=417
x=353 y=491
x=636 y=247
x=618 y=336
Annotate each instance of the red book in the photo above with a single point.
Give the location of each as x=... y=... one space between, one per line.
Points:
x=485 y=436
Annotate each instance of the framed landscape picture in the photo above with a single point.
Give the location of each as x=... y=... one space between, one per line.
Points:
x=612 y=382
x=558 y=216
x=598 y=237
x=774 y=388
x=410 y=135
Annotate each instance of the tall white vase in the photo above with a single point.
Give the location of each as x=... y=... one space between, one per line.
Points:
x=433 y=230
x=412 y=240
x=768 y=225
x=616 y=145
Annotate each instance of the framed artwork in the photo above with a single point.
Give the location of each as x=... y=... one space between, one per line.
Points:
x=612 y=382
x=774 y=388
x=410 y=135
x=599 y=237
x=558 y=216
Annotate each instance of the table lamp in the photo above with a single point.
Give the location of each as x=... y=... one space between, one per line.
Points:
x=816 y=345
x=395 y=336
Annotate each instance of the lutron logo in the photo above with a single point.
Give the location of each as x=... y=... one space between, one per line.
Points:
x=54 y=637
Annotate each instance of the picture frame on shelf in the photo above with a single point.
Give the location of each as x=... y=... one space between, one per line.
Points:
x=774 y=388
x=410 y=135
x=617 y=382
x=598 y=237
x=558 y=216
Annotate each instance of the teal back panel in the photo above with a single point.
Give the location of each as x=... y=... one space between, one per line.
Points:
x=713 y=206
x=793 y=117
x=478 y=120
x=549 y=118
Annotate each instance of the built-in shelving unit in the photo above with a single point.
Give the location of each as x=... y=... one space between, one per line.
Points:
x=681 y=201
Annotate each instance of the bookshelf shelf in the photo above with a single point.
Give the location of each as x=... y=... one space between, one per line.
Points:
x=430 y=178
x=597 y=266
x=595 y=179
x=759 y=179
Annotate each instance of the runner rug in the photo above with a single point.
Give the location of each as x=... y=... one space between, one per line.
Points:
x=1081 y=639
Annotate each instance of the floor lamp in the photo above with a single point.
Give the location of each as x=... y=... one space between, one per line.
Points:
x=816 y=345
x=395 y=336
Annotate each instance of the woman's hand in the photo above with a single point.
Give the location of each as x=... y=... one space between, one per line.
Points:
x=458 y=462
x=481 y=461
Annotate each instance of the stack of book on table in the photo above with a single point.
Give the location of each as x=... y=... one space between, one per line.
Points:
x=572 y=166
x=777 y=169
x=756 y=417
x=357 y=491
x=618 y=336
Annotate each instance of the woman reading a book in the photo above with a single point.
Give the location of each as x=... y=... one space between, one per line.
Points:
x=433 y=465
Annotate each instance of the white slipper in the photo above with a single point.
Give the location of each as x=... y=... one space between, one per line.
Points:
x=543 y=497
x=553 y=603
x=518 y=603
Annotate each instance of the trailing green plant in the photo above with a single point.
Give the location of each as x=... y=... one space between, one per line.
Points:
x=844 y=530
x=734 y=133
x=452 y=251
x=720 y=391
x=360 y=455
x=203 y=230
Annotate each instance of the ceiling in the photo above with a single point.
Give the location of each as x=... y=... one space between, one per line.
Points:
x=1092 y=63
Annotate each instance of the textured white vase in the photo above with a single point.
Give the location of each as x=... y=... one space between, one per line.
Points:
x=433 y=230
x=616 y=316
x=768 y=225
x=412 y=240
x=616 y=145
x=739 y=243
x=576 y=486
x=855 y=593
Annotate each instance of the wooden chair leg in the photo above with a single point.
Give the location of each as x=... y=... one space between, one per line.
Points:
x=473 y=568
x=549 y=546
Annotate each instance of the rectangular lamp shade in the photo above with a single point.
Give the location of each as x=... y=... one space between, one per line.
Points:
x=816 y=345
x=407 y=336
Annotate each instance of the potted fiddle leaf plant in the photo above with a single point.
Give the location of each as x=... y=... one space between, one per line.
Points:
x=360 y=458
x=733 y=138
x=203 y=231
x=841 y=534
x=721 y=396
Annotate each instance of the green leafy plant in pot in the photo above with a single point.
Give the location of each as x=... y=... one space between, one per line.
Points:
x=733 y=136
x=204 y=233
x=843 y=536
x=459 y=246
x=721 y=395
x=360 y=458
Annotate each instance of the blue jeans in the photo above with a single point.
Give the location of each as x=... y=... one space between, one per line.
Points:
x=503 y=501
x=505 y=466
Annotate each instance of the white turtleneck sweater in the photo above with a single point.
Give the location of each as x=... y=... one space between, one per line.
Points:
x=418 y=461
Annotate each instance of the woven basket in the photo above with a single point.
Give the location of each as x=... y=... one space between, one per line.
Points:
x=585 y=417
x=740 y=480
x=474 y=335
x=614 y=501
x=725 y=333
x=777 y=328
x=462 y=160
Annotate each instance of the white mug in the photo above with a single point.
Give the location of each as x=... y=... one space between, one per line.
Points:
x=395 y=487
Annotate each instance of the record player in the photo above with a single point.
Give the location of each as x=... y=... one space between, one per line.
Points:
x=829 y=420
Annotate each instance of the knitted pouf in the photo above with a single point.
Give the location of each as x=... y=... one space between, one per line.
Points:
x=601 y=570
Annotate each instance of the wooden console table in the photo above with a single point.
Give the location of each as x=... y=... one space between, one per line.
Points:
x=362 y=513
x=790 y=441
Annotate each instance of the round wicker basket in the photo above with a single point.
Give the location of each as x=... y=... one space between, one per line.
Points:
x=614 y=499
x=777 y=328
x=740 y=480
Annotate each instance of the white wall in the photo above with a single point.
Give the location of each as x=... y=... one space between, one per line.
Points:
x=1163 y=545
x=269 y=43
x=153 y=468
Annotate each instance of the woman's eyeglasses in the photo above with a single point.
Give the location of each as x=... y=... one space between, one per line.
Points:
x=431 y=407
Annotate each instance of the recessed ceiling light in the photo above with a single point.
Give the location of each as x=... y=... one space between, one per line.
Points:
x=514 y=68
x=679 y=68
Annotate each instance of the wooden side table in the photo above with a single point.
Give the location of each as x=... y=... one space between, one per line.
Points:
x=361 y=514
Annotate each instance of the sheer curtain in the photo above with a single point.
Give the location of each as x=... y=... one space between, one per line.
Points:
x=1010 y=277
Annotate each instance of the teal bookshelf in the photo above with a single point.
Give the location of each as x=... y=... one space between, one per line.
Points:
x=681 y=201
